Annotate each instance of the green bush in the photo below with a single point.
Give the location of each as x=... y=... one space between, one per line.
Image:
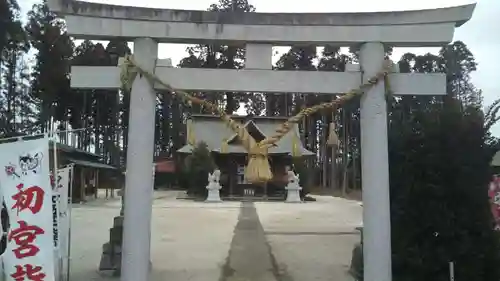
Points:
x=439 y=173
x=197 y=167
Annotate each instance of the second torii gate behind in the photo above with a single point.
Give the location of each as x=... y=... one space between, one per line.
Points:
x=259 y=32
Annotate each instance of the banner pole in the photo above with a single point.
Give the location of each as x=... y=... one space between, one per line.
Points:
x=70 y=212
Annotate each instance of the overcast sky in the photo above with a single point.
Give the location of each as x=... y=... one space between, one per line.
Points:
x=480 y=34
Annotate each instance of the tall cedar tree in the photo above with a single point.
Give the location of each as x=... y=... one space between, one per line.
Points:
x=439 y=171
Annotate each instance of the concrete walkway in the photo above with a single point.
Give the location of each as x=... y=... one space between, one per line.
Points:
x=249 y=256
x=229 y=241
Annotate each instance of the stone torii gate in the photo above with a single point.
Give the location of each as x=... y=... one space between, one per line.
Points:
x=258 y=32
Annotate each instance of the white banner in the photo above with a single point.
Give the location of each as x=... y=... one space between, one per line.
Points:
x=60 y=220
x=62 y=185
x=27 y=193
x=55 y=225
x=62 y=191
x=55 y=217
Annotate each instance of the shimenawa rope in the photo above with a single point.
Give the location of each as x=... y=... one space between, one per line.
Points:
x=258 y=169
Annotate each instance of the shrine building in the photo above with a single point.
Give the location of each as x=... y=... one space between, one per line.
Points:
x=231 y=157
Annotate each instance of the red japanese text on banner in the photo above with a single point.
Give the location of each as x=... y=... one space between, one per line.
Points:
x=27 y=194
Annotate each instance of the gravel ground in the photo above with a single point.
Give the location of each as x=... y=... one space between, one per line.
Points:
x=228 y=241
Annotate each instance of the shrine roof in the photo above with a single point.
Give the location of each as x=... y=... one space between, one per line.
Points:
x=212 y=131
x=73 y=150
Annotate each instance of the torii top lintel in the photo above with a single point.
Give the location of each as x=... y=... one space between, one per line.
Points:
x=433 y=27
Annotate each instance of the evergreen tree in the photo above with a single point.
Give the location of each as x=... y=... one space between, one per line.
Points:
x=15 y=104
x=50 y=83
x=197 y=167
x=439 y=173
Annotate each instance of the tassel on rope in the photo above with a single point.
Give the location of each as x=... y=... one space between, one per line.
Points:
x=295 y=145
x=190 y=134
x=333 y=139
x=128 y=72
x=224 y=146
x=258 y=169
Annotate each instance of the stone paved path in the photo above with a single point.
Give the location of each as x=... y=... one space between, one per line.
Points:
x=249 y=255
x=229 y=241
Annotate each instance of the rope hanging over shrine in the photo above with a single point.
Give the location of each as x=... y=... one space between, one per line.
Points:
x=258 y=169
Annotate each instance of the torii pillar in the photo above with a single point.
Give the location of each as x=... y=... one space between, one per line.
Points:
x=375 y=169
x=139 y=180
